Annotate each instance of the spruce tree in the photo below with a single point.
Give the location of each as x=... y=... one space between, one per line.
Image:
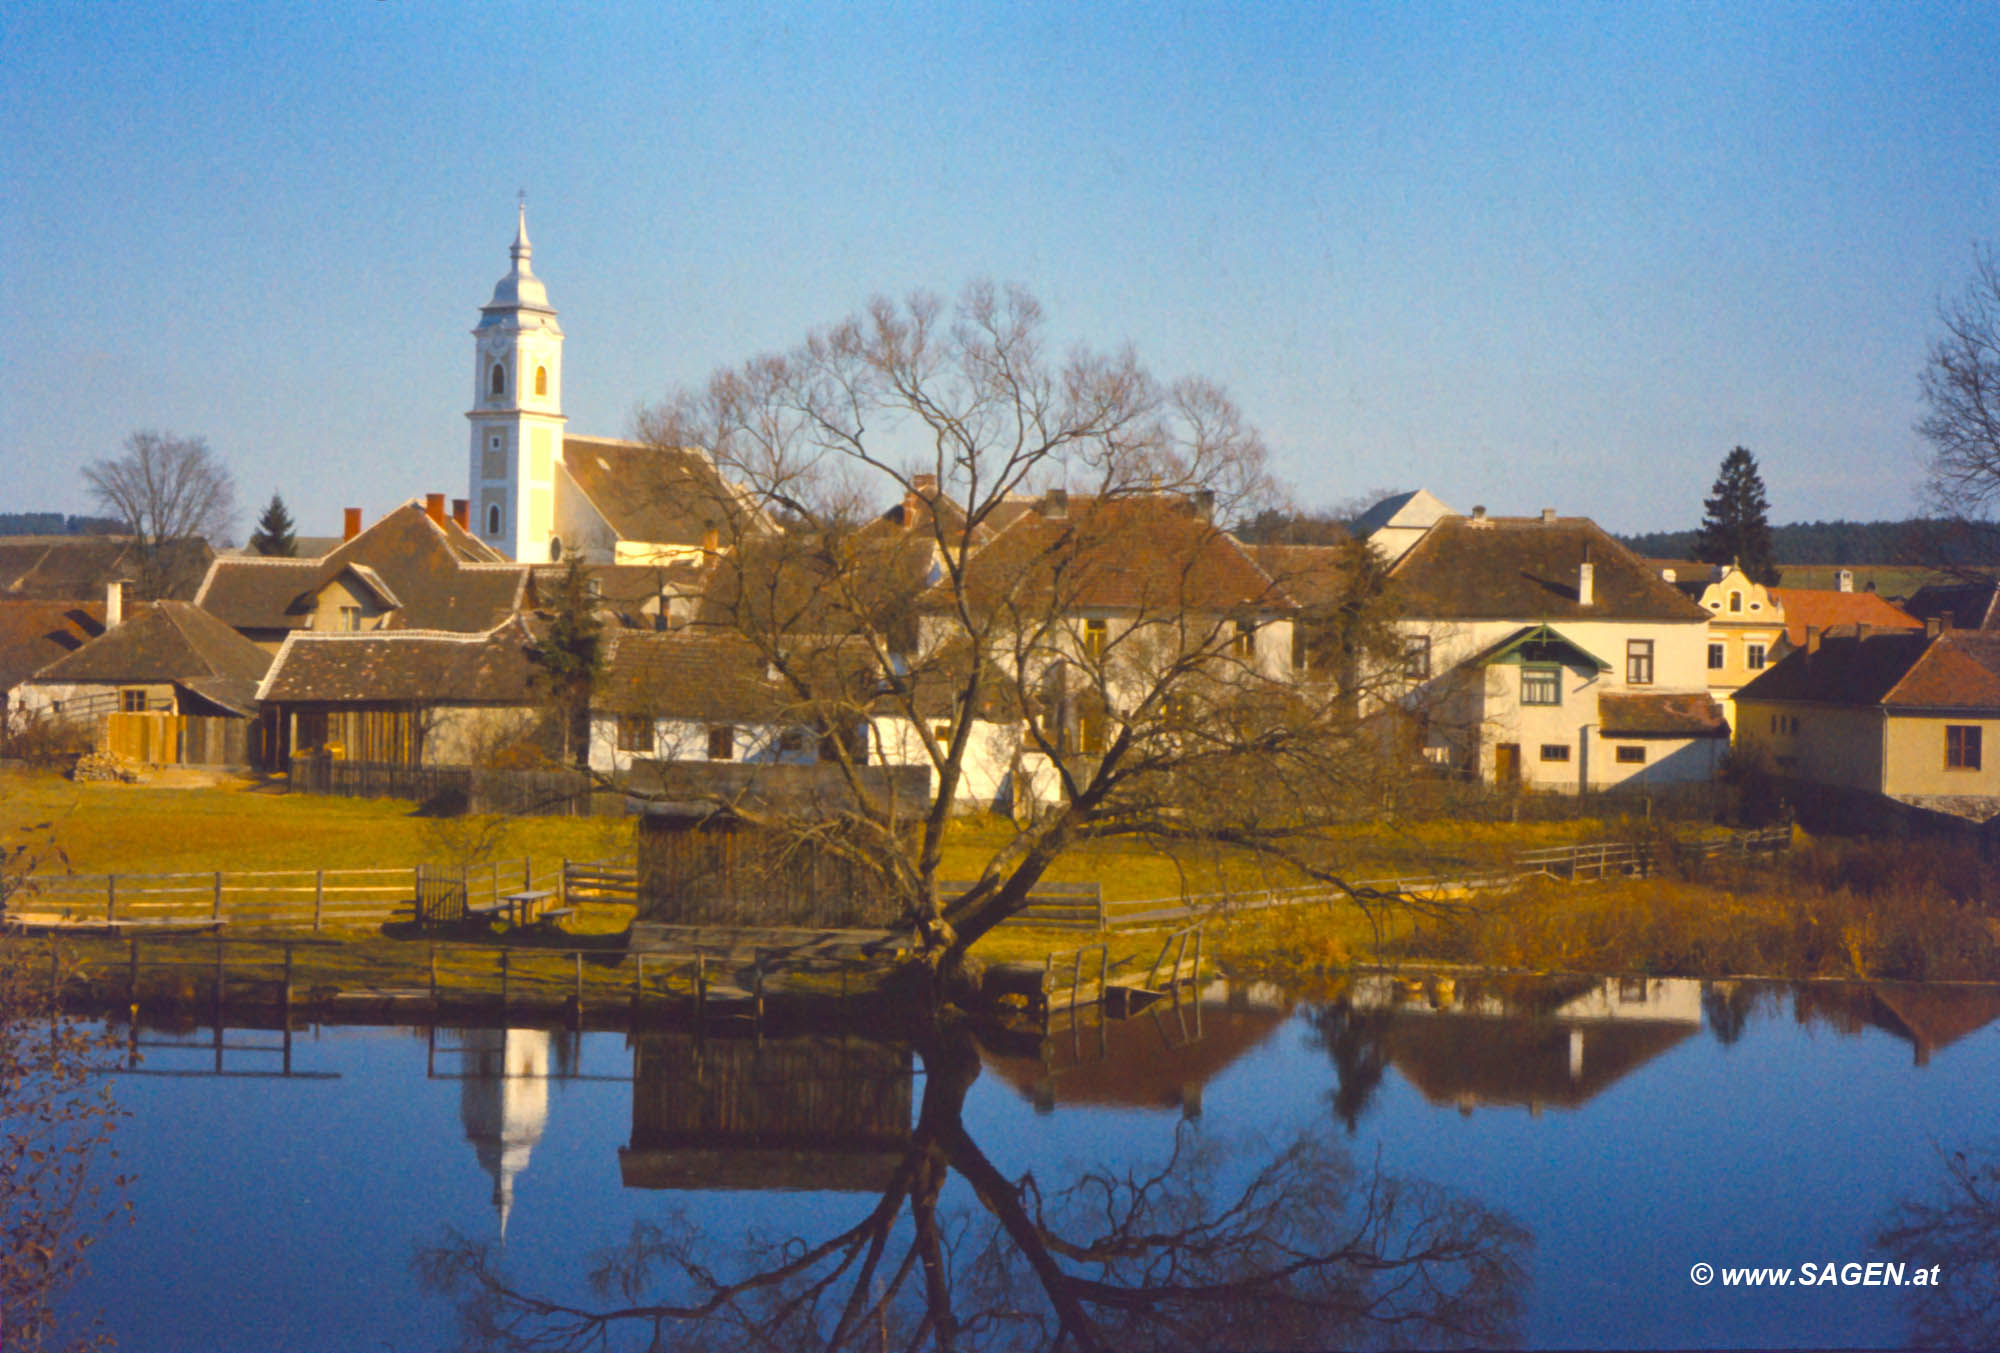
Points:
x=569 y=658
x=274 y=530
x=1736 y=528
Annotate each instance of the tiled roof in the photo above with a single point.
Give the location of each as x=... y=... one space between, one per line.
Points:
x=1899 y=669
x=414 y=666
x=1315 y=576
x=163 y=641
x=657 y=495
x=1665 y=714
x=1971 y=606
x=688 y=674
x=1150 y=555
x=864 y=581
x=34 y=634
x=77 y=568
x=1527 y=568
x=443 y=579
x=1811 y=608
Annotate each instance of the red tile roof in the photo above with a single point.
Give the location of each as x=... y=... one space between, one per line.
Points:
x=1896 y=669
x=1810 y=607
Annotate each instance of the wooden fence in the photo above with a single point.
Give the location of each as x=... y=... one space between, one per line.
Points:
x=560 y=793
x=315 y=898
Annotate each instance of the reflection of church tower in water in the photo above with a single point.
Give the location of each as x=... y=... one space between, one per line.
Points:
x=503 y=1103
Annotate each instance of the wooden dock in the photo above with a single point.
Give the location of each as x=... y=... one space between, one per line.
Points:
x=1086 y=977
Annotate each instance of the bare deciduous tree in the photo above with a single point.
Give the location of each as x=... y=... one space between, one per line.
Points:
x=168 y=492
x=1052 y=594
x=1961 y=387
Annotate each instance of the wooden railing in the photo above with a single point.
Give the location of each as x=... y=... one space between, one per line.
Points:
x=315 y=898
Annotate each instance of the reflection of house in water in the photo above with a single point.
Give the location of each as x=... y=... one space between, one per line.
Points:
x=1534 y=1043
x=503 y=1103
x=1926 y=1017
x=1160 y=1058
x=814 y=1112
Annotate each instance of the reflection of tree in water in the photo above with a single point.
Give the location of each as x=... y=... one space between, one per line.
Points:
x=1306 y=1252
x=1353 y=1040
x=1726 y=1007
x=1956 y=1227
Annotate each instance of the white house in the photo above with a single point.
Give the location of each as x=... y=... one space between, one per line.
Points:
x=1540 y=652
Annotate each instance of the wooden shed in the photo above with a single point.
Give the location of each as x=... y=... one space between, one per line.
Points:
x=765 y=849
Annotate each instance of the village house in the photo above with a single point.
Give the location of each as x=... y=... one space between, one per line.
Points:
x=417 y=568
x=1746 y=622
x=1540 y=652
x=1967 y=605
x=401 y=697
x=1904 y=715
x=1816 y=608
x=80 y=567
x=169 y=660
x=34 y=634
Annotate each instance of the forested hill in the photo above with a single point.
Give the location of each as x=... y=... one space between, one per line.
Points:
x=1808 y=542
x=55 y=524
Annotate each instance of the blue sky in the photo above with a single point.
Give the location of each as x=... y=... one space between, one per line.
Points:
x=1521 y=255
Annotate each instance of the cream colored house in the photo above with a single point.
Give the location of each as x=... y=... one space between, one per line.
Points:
x=1912 y=715
x=1540 y=652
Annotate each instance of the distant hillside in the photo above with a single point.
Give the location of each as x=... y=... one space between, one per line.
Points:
x=55 y=524
x=1810 y=542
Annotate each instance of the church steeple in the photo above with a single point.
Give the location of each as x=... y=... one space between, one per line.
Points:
x=517 y=415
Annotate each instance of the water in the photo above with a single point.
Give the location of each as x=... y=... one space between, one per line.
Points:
x=1561 y=1156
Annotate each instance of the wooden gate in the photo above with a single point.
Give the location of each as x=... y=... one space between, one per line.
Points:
x=161 y=739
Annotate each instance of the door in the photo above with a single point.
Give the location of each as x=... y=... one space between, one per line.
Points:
x=1507 y=764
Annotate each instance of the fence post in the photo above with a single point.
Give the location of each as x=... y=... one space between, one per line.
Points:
x=527 y=872
x=110 y=897
x=216 y=913
x=319 y=897
x=503 y=979
x=132 y=983
x=417 y=891
x=434 y=978
x=562 y=884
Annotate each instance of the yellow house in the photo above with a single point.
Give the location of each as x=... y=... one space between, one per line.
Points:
x=1913 y=715
x=1746 y=624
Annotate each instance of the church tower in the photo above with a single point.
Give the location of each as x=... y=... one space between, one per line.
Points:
x=516 y=415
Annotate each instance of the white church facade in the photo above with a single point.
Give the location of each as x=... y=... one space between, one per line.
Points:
x=538 y=493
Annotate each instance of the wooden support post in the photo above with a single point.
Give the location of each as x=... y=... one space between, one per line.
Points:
x=503 y=979
x=215 y=913
x=757 y=980
x=110 y=897
x=218 y=978
x=288 y=984
x=638 y=974
x=417 y=891
x=578 y=956
x=55 y=977
x=434 y=977
x=562 y=884
x=132 y=978
x=527 y=872
x=319 y=897
x=700 y=988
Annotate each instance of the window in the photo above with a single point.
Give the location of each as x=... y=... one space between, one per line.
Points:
x=1639 y=663
x=1094 y=640
x=498 y=385
x=350 y=618
x=541 y=380
x=1715 y=657
x=635 y=733
x=493 y=519
x=942 y=732
x=1735 y=601
x=722 y=743
x=792 y=740
x=1090 y=733
x=1243 y=644
x=1630 y=754
x=132 y=700
x=1416 y=657
x=1961 y=746
x=1753 y=657
x=1541 y=686
x=1555 y=751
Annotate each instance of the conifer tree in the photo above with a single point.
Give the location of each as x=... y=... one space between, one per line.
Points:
x=1736 y=528
x=274 y=530
x=570 y=657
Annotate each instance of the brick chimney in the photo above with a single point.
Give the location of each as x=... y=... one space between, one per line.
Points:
x=351 y=527
x=1479 y=521
x=434 y=507
x=461 y=512
x=1586 y=584
x=1548 y=516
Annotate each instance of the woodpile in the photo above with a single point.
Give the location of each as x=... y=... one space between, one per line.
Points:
x=102 y=766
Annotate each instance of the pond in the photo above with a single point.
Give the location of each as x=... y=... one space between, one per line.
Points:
x=1415 y=1162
